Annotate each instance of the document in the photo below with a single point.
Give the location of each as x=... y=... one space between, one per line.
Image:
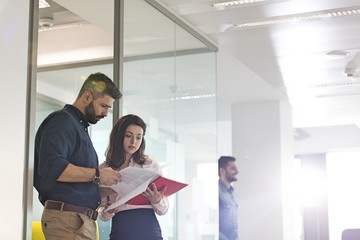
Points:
x=134 y=181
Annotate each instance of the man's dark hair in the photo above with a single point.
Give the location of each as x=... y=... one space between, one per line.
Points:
x=223 y=161
x=99 y=85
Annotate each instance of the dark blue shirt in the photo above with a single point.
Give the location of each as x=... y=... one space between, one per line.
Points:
x=228 y=212
x=62 y=138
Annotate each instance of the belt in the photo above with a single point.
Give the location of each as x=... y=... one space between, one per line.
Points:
x=61 y=206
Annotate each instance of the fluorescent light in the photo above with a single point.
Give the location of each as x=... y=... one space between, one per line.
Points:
x=338 y=54
x=235 y=3
x=63 y=26
x=299 y=18
x=43 y=4
x=194 y=97
x=183 y=98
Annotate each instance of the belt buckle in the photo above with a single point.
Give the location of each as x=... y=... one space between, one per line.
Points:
x=91 y=214
x=95 y=215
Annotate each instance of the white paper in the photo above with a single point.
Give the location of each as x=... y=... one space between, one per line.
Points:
x=134 y=181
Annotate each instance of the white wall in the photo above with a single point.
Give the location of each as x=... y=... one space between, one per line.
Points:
x=14 y=22
x=237 y=83
x=259 y=133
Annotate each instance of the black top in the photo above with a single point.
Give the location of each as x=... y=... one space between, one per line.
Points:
x=62 y=138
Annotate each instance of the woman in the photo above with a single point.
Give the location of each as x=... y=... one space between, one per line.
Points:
x=126 y=149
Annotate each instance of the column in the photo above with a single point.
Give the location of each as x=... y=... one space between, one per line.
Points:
x=262 y=144
x=14 y=35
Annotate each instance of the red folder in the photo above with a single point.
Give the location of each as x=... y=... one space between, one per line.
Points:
x=160 y=182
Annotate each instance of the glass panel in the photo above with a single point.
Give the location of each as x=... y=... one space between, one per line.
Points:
x=169 y=80
x=57 y=88
x=74 y=31
x=149 y=87
x=196 y=133
x=74 y=37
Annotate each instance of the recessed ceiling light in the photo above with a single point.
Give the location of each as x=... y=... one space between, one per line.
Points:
x=337 y=54
x=46 y=22
x=63 y=26
x=300 y=18
x=234 y=3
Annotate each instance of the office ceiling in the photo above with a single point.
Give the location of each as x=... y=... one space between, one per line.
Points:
x=292 y=55
x=286 y=44
x=299 y=50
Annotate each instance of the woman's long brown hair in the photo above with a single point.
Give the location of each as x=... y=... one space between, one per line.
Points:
x=115 y=154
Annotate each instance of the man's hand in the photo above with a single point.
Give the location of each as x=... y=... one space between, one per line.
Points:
x=109 y=177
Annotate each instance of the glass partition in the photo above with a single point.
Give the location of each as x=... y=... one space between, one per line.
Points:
x=55 y=88
x=169 y=79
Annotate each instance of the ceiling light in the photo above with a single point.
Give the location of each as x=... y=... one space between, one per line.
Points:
x=46 y=22
x=337 y=54
x=181 y=98
x=352 y=68
x=194 y=97
x=63 y=26
x=43 y=4
x=234 y=3
x=299 y=18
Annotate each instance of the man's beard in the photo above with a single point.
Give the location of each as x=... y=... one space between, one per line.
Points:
x=90 y=114
x=231 y=178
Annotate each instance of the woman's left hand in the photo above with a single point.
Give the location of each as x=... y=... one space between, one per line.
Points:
x=108 y=196
x=154 y=195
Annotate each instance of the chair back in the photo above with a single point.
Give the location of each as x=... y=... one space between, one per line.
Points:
x=351 y=234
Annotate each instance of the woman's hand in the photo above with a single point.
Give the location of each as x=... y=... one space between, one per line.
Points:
x=104 y=214
x=108 y=196
x=153 y=194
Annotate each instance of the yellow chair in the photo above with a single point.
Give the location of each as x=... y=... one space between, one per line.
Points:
x=37 y=233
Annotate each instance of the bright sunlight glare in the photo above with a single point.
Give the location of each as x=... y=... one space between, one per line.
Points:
x=343 y=192
x=311 y=186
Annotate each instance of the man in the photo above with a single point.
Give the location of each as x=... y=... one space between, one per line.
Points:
x=66 y=173
x=228 y=206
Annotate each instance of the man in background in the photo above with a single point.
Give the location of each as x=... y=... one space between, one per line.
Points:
x=228 y=206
